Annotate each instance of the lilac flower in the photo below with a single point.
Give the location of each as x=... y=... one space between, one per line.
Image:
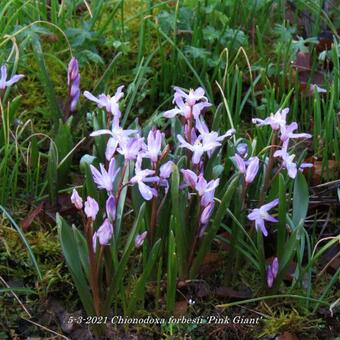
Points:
x=131 y=147
x=194 y=103
x=166 y=169
x=192 y=97
x=154 y=145
x=206 y=213
x=211 y=138
x=139 y=240
x=272 y=270
x=259 y=215
x=76 y=199
x=205 y=217
x=276 y=121
x=252 y=169
x=192 y=135
x=111 y=208
x=248 y=168
x=180 y=108
x=198 y=148
x=73 y=82
x=118 y=135
x=206 y=190
x=241 y=164
x=190 y=178
x=287 y=132
x=91 y=208
x=287 y=160
x=305 y=166
x=142 y=176
x=289 y=165
x=314 y=87
x=104 y=179
x=164 y=173
x=103 y=234
x=3 y=79
x=242 y=149
x=111 y=104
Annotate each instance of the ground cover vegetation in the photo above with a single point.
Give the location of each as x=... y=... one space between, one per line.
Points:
x=163 y=159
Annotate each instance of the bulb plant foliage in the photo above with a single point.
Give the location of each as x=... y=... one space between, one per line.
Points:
x=166 y=194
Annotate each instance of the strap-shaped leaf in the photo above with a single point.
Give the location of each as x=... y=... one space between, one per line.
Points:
x=210 y=234
x=172 y=272
x=300 y=199
x=178 y=223
x=139 y=290
x=70 y=251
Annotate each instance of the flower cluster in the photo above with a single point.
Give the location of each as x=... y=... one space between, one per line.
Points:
x=272 y=271
x=73 y=83
x=278 y=123
x=198 y=140
x=91 y=209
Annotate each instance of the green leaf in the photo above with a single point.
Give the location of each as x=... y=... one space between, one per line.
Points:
x=24 y=240
x=212 y=230
x=139 y=290
x=172 y=271
x=129 y=246
x=64 y=143
x=73 y=261
x=52 y=173
x=179 y=227
x=300 y=199
x=45 y=79
x=82 y=249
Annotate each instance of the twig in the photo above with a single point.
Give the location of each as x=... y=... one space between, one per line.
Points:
x=16 y=297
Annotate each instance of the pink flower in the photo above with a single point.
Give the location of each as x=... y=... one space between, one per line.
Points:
x=153 y=147
x=252 y=169
x=91 y=208
x=118 y=135
x=195 y=103
x=259 y=215
x=103 y=234
x=104 y=179
x=142 y=176
x=248 y=168
x=198 y=147
x=3 y=79
x=206 y=190
x=211 y=138
x=73 y=82
x=111 y=208
x=76 y=199
x=131 y=147
x=276 y=121
x=110 y=104
x=139 y=240
x=272 y=271
x=287 y=132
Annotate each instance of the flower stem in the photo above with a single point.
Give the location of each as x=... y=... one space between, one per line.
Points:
x=120 y=184
x=92 y=267
x=268 y=171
